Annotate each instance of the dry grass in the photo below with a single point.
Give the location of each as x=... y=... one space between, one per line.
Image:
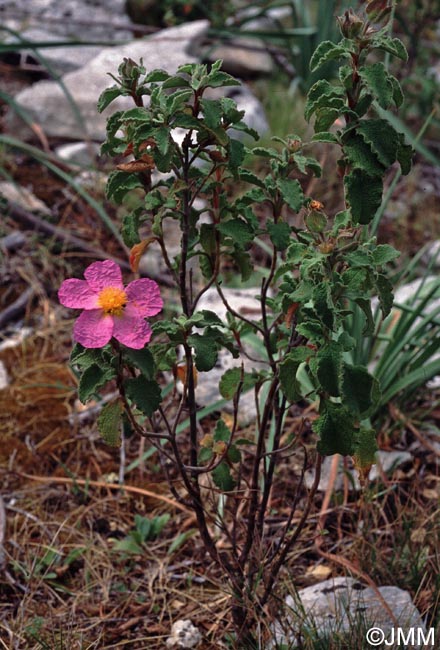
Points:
x=63 y=585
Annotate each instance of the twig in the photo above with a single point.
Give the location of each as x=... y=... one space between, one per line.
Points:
x=17 y=307
x=103 y=484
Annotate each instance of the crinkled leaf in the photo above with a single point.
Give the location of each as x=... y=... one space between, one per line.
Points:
x=365 y=305
x=392 y=45
x=144 y=393
x=323 y=94
x=141 y=359
x=382 y=138
x=130 y=229
x=323 y=304
x=109 y=423
x=291 y=192
x=364 y=195
x=222 y=478
x=384 y=253
x=280 y=234
x=329 y=367
x=119 y=183
x=365 y=448
x=385 y=294
x=359 y=390
x=325 y=117
x=326 y=51
x=212 y=111
x=335 y=427
x=238 y=230
x=109 y=95
x=361 y=156
x=92 y=379
x=379 y=83
x=206 y=349
x=231 y=379
x=325 y=136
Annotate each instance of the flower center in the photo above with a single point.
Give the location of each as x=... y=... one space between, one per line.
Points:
x=112 y=301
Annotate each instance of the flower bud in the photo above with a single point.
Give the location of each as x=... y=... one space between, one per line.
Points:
x=350 y=24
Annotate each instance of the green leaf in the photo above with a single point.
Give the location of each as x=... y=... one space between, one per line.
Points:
x=93 y=378
x=236 y=152
x=364 y=195
x=385 y=294
x=85 y=357
x=378 y=81
x=219 y=79
x=109 y=95
x=238 y=230
x=382 y=138
x=212 y=111
x=130 y=229
x=244 y=263
x=326 y=51
x=222 y=478
x=359 y=389
x=323 y=304
x=206 y=349
x=404 y=155
x=392 y=45
x=222 y=431
x=288 y=370
x=119 y=183
x=329 y=367
x=280 y=234
x=325 y=136
x=109 y=423
x=323 y=95
x=291 y=192
x=250 y=177
x=365 y=448
x=360 y=156
x=325 y=117
x=365 y=305
x=231 y=379
x=141 y=359
x=144 y=393
x=161 y=75
x=384 y=253
x=335 y=427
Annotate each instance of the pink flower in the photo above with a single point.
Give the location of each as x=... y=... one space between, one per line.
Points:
x=109 y=308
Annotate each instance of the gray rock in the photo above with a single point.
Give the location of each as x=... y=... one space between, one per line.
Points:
x=338 y=605
x=387 y=461
x=184 y=635
x=47 y=105
x=4 y=379
x=56 y=60
x=23 y=197
x=78 y=19
x=243 y=57
x=78 y=153
x=431 y=256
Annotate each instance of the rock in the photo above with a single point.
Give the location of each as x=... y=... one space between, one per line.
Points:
x=339 y=604
x=23 y=197
x=387 y=460
x=431 y=256
x=79 y=153
x=59 y=59
x=77 y=19
x=184 y=635
x=4 y=380
x=47 y=105
x=242 y=57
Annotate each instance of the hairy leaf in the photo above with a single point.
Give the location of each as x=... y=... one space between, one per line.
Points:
x=364 y=195
x=92 y=379
x=144 y=393
x=109 y=423
x=326 y=51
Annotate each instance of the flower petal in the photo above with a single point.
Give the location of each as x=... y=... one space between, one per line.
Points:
x=132 y=331
x=103 y=274
x=93 y=329
x=77 y=295
x=143 y=297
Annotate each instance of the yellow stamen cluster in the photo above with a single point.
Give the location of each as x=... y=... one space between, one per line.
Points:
x=112 y=301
